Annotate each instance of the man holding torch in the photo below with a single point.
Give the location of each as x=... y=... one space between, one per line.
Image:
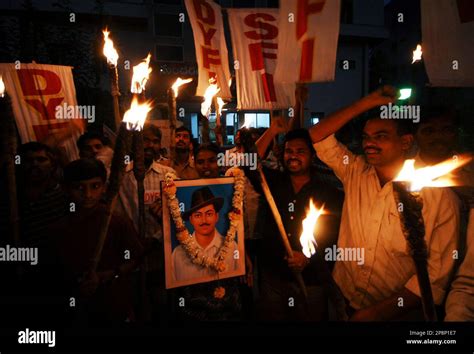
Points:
x=281 y=296
x=386 y=286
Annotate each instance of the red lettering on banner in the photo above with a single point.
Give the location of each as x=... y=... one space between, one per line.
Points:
x=207 y=59
x=268 y=87
x=271 y=31
x=307 y=53
x=304 y=10
x=257 y=51
x=207 y=34
x=209 y=17
x=29 y=85
x=28 y=82
x=43 y=130
x=47 y=112
x=257 y=54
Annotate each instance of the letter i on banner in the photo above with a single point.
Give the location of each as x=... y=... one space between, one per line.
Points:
x=310 y=30
x=211 y=49
x=254 y=34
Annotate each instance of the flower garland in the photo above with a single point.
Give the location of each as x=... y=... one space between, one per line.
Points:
x=190 y=246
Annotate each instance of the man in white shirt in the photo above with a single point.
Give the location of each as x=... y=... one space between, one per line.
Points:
x=155 y=173
x=385 y=286
x=203 y=216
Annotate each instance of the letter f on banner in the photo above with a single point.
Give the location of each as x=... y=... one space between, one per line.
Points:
x=312 y=37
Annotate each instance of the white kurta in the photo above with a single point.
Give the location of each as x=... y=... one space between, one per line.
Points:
x=370 y=220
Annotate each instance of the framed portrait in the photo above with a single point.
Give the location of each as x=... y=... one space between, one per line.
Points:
x=204 y=205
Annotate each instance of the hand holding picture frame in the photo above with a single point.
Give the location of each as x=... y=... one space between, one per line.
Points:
x=206 y=208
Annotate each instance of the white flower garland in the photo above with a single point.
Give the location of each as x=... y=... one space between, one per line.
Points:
x=193 y=251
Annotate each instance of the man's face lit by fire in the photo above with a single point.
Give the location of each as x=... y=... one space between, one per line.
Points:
x=297 y=157
x=382 y=144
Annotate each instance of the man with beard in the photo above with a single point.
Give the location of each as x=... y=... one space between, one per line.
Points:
x=280 y=296
x=370 y=219
x=182 y=160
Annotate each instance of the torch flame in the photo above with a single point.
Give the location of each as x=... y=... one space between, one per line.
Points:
x=220 y=104
x=179 y=81
x=247 y=122
x=2 y=87
x=417 y=53
x=141 y=73
x=135 y=117
x=307 y=239
x=109 y=50
x=430 y=176
x=210 y=92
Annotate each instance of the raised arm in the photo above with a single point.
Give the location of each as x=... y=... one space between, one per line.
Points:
x=277 y=126
x=338 y=119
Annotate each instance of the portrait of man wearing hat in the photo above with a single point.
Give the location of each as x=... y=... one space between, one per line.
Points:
x=203 y=216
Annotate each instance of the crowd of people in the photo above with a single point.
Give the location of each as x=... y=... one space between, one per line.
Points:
x=62 y=207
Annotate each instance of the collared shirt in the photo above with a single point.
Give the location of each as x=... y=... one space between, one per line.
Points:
x=184 y=269
x=186 y=170
x=370 y=220
x=460 y=302
x=129 y=197
x=292 y=207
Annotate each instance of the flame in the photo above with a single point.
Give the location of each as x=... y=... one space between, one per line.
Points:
x=179 y=81
x=248 y=121
x=2 y=87
x=430 y=176
x=307 y=239
x=210 y=92
x=230 y=82
x=220 y=104
x=417 y=53
x=141 y=73
x=135 y=117
x=109 y=50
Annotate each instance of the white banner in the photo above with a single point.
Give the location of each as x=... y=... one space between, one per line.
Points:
x=211 y=51
x=309 y=32
x=36 y=90
x=254 y=34
x=448 y=42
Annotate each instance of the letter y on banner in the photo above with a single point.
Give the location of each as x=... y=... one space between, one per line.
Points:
x=209 y=40
x=309 y=30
